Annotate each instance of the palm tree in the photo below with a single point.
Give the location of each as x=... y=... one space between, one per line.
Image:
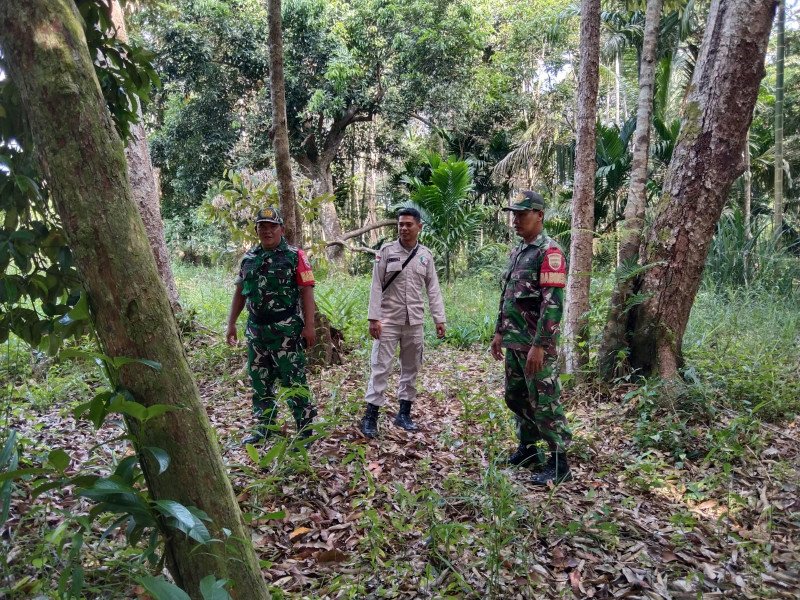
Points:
x=449 y=220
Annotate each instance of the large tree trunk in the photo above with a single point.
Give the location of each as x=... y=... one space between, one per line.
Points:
x=614 y=332
x=582 y=233
x=706 y=161
x=777 y=218
x=319 y=172
x=84 y=163
x=280 y=130
x=144 y=185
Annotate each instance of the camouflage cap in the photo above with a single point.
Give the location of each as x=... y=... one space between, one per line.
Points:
x=270 y=214
x=526 y=200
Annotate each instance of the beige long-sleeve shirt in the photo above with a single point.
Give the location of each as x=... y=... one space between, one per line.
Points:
x=403 y=302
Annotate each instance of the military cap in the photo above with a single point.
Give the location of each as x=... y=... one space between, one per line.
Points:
x=526 y=200
x=270 y=214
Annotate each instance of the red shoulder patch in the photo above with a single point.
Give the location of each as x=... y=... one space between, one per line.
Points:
x=554 y=269
x=304 y=275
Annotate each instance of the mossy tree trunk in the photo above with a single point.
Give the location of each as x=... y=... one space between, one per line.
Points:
x=706 y=160
x=84 y=164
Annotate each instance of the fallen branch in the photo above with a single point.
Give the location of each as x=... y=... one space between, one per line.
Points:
x=356 y=232
x=355 y=248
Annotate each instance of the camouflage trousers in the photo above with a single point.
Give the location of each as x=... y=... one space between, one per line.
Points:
x=283 y=362
x=534 y=400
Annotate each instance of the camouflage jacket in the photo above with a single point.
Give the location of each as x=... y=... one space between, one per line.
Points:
x=271 y=281
x=532 y=301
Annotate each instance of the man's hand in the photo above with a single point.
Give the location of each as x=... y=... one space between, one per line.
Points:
x=375 y=329
x=496 y=348
x=535 y=360
x=231 y=336
x=440 y=330
x=309 y=334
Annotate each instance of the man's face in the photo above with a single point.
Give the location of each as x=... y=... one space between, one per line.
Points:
x=409 y=230
x=527 y=223
x=269 y=234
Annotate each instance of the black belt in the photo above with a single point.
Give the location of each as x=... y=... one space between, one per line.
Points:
x=272 y=317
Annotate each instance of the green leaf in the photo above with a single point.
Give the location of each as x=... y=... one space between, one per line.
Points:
x=273 y=453
x=22 y=472
x=126 y=469
x=80 y=312
x=213 y=588
x=121 y=360
x=126 y=407
x=98 y=408
x=45 y=487
x=162 y=589
x=8 y=448
x=94 y=356
x=161 y=456
x=252 y=452
x=59 y=459
x=182 y=519
x=157 y=409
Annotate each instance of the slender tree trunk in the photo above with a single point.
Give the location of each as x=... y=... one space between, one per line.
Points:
x=706 y=161
x=280 y=130
x=580 y=265
x=84 y=163
x=145 y=185
x=777 y=220
x=748 y=189
x=618 y=84
x=614 y=333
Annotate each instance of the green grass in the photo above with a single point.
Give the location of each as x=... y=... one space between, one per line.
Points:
x=741 y=350
x=471 y=303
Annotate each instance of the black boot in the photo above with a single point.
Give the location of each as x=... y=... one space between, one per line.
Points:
x=261 y=433
x=526 y=456
x=369 y=427
x=404 y=417
x=556 y=470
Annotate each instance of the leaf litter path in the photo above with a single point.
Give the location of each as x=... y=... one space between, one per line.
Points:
x=433 y=514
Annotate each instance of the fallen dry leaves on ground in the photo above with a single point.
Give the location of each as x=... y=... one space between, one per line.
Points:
x=433 y=514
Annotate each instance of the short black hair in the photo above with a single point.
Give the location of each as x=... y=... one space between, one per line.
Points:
x=409 y=212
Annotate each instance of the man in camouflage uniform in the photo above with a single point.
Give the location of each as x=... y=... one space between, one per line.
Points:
x=274 y=277
x=531 y=307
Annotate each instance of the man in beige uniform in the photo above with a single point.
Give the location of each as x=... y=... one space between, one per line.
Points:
x=396 y=309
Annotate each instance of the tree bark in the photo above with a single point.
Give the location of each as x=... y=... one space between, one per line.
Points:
x=145 y=186
x=319 y=172
x=84 y=163
x=614 y=332
x=706 y=161
x=280 y=130
x=582 y=232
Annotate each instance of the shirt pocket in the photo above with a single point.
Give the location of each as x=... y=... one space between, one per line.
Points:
x=525 y=284
x=394 y=267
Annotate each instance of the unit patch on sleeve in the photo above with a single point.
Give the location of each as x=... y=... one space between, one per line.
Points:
x=304 y=274
x=553 y=272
